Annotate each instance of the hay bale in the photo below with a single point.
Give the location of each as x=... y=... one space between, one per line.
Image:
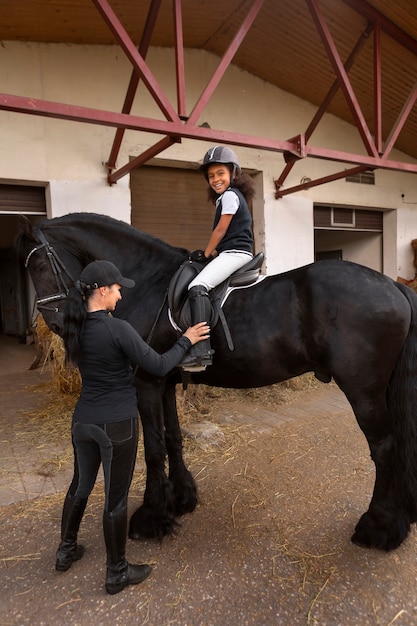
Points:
x=42 y=338
x=65 y=380
x=412 y=283
x=414 y=246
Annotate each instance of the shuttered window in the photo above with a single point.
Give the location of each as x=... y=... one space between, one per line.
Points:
x=22 y=199
x=171 y=203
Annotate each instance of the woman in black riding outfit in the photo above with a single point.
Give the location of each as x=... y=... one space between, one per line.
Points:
x=105 y=420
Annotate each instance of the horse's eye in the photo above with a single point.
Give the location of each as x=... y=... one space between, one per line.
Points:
x=41 y=265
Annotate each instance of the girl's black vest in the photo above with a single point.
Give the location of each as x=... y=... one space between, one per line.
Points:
x=239 y=234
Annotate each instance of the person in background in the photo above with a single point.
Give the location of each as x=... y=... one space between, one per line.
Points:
x=105 y=419
x=230 y=245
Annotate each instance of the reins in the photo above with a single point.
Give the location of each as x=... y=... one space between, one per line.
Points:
x=158 y=315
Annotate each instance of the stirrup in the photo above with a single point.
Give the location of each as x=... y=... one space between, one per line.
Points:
x=197 y=363
x=194 y=368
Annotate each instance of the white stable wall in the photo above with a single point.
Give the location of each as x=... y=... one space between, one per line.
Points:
x=91 y=196
x=69 y=158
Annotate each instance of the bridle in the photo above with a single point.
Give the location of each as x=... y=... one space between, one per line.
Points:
x=58 y=269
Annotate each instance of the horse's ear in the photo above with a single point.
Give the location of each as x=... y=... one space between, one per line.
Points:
x=24 y=225
x=24 y=231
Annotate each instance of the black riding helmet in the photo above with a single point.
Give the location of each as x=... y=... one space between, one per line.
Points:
x=221 y=154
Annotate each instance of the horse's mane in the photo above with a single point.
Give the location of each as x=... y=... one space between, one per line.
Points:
x=129 y=244
x=118 y=228
x=76 y=239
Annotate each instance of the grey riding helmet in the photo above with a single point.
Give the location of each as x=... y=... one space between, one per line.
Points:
x=221 y=154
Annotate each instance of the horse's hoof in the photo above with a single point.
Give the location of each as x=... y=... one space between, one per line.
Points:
x=145 y=525
x=135 y=536
x=384 y=534
x=185 y=496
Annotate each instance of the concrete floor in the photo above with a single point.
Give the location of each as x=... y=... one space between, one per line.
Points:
x=268 y=545
x=26 y=462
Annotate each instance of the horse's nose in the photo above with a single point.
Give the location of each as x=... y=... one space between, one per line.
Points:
x=55 y=322
x=56 y=328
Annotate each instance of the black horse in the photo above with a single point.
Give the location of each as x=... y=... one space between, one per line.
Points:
x=337 y=319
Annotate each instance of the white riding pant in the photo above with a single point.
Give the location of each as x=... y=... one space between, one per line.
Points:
x=220 y=268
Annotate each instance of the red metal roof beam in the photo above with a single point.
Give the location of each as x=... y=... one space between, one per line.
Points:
x=372 y=14
x=179 y=59
x=57 y=110
x=225 y=62
x=369 y=161
x=134 y=80
x=298 y=151
x=326 y=102
x=162 y=145
x=401 y=120
x=342 y=76
x=75 y=113
x=136 y=59
x=320 y=181
x=377 y=88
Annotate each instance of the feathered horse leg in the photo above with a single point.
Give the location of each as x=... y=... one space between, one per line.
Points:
x=183 y=484
x=392 y=440
x=156 y=516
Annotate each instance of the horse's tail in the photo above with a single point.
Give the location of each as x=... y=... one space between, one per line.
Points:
x=402 y=407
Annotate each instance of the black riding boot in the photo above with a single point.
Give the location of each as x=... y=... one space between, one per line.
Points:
x=200 y=354
x=69 y=551
x=119 y=572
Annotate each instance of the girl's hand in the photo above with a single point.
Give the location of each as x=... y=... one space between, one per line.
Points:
x=197 y=333
x=199 y=257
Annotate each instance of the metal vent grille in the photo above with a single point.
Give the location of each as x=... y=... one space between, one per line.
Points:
x=347 y=218
x=363 y=178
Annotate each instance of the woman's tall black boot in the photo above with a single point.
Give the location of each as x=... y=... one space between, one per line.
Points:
x=119 y=572
x=69 y=551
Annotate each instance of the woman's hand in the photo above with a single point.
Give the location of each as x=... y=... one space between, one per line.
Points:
x=197 y=333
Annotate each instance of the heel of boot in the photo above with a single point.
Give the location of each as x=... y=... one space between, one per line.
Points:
x=65 y=558
x=68 y=550
x=133 y=575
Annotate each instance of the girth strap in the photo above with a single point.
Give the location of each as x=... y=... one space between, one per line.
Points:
x=225 y=325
